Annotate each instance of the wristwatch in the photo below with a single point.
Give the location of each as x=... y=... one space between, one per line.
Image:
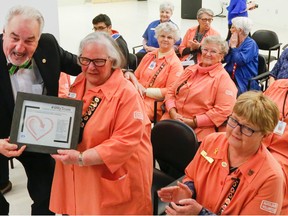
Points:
x=80 y=159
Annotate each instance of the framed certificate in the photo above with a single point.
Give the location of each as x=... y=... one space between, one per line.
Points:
x=45 y=123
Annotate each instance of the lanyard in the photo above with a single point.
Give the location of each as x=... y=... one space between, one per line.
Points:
x=87 y=115
x=233 y=71
x=283 y=113
x=230 y=195
x=156 y=74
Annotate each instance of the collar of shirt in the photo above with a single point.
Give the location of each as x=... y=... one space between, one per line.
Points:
x=109 y=88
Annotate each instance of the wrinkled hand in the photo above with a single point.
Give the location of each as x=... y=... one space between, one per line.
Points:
x=233 y=42
x=174 y=193
x=194 y=44
x=130 y=76
x=174 y=114
x=10 y=150
x=67 y=156
x=188 y=121
x=186 y=207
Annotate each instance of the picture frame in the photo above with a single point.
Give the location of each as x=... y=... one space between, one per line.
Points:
x=45 y=123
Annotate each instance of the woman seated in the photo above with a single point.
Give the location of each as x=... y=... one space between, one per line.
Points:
x=233 y=173
x=112 y=166
x=150 y=43
x=190 y=47
x=276 y=142
x=280 y=69
x=242 y=58
x=204 y=95
x=159 y=69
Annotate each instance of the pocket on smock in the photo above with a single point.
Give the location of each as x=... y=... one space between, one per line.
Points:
x=114 y=192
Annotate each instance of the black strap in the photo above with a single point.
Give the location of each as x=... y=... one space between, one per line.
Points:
x=156 y=74
x=230 y=195
x=283 y=110
x=87 y=115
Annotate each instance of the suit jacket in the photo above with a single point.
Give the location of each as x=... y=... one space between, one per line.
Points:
x=51 y=59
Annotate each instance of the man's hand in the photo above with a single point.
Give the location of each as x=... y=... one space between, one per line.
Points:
x=10 y=150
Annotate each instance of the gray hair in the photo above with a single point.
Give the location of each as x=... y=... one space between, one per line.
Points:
x=202 y=11
x=215 y=39
x=28 y=12
x=112 y=48
x=168 y=27
x=167 y=6
x=243 y=23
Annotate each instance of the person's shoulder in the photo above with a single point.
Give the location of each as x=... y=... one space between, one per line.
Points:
x=154 y=23
x=213 y=141
x=47 y=36
x=271 y=165
x=213 y=31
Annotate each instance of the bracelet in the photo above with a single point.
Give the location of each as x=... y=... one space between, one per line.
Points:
x=80 y=159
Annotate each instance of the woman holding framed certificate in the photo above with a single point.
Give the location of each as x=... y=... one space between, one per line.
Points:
x=112 y=166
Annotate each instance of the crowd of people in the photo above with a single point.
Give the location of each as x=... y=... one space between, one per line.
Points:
x=241 y=165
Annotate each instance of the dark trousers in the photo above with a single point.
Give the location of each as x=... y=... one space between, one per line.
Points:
x=4 y=171
x=4 y=205
x=39 y=169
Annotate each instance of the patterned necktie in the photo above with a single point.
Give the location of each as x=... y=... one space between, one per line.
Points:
x=13 y=68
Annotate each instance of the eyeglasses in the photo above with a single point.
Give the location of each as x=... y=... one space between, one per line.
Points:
x=99 y=28
x=206 y=20
x=212 y=52
x=97 y=62
x=247 y=131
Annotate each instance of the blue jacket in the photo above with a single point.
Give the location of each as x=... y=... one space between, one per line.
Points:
x=246 y=58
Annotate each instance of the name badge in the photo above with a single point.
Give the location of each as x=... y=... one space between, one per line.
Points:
x=209 y=159
x=152 y=65
x=280 y=128
x=72 y=95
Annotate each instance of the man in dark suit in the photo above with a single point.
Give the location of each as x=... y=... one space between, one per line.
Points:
x=29 y=62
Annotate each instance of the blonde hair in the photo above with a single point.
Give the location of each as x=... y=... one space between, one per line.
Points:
x=257 y=109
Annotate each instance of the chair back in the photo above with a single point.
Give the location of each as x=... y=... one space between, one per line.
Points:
x=174 y=146
x=267 y=40
x=262 y=66
x=263 y=74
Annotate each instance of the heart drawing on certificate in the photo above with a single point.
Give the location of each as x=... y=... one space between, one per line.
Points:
x=39 y=127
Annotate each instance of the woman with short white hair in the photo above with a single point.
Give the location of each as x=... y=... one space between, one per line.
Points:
x=242 y=58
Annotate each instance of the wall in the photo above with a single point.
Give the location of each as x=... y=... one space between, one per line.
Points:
x=270 y=15
x=48 y=8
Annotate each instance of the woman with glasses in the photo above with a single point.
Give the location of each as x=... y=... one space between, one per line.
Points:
x=233 y=173
x=203 y=97
x=159 y=69
x=190 y=47
x=242 y=58
x=112 y=166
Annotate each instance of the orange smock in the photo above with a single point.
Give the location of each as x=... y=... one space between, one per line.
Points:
x=119 y=131
x=190 y=34
x=64 y=85
x=278 y=144
x=209 y=91
x=261 y=187
x=145 y=74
